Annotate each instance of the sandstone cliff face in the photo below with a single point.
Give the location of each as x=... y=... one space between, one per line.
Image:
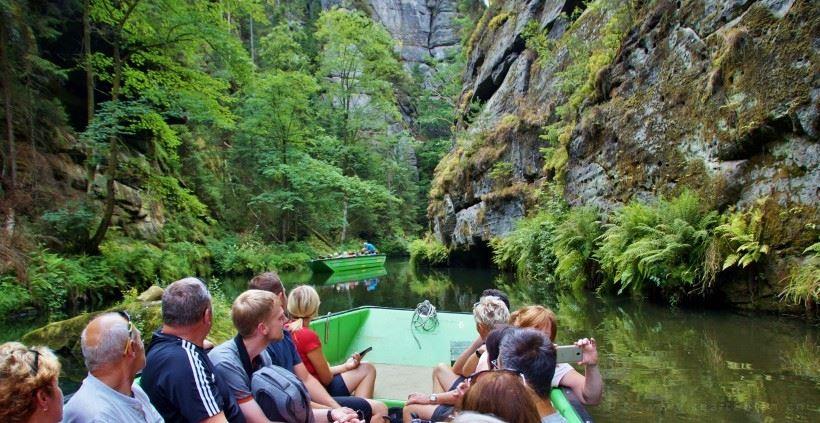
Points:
x=425 y=30
x=718 y=95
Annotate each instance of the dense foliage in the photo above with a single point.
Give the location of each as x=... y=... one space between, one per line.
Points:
x=149 y=140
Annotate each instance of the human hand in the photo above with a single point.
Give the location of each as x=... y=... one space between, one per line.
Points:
x=589 y=351
x=353 y=361
x=344 y=415
x=418 y=398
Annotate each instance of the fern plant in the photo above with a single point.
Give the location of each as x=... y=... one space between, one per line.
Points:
x=575 y=244
x=742 y=233
x=662 y=244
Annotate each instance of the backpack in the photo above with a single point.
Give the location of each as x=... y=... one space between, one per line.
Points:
x=281 y=395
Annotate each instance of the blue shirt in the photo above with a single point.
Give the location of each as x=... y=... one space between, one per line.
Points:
x=180 y=381
x=98 y=402
x=370 y=248
x=283 y=353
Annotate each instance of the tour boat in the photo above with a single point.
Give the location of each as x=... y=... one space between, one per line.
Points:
x=347 y=263
x=407 y=345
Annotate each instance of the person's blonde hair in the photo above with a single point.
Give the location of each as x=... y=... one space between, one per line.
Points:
x=535 y=316
x=303 y=302
x=250 y=308
x=490 y=311
x=19 y=379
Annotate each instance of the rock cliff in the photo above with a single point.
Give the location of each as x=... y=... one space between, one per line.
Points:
x=718 y=95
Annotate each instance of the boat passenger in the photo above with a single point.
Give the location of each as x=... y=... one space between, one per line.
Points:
x=445 y=377
x=114 y=353
x=179 y=377
x=259 y=318
x=368 y=248
x=28 y=384
x=283 y=353
x=501 y=393
x=587 y=387
x=532 y=354
x=349 y=378
x=488 y=312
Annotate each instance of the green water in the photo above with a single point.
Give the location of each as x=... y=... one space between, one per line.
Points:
x=658 y=363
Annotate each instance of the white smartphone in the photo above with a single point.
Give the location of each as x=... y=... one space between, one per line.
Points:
x=567 y=354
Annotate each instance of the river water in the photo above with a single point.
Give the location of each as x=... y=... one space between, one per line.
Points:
x=658 y=363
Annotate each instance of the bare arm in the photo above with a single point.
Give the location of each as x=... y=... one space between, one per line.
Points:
x=588 y=387
x=252 y=412
x=466 y=362
x=317 y=392
x=323 y=372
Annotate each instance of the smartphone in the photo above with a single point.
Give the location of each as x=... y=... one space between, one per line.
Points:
x=366 y=350
x=567 y=354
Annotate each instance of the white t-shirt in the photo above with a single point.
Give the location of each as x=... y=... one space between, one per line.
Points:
x=560 y=371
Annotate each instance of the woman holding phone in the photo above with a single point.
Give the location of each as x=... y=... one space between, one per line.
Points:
x=349 y=378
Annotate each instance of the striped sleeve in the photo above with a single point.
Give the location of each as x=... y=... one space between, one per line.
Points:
x=203 y=396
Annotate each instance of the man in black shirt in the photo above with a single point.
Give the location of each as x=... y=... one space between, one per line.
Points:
x=178 y=376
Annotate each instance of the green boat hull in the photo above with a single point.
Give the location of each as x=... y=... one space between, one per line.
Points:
x=350 y=276
x=347 y=264
x=391 y=334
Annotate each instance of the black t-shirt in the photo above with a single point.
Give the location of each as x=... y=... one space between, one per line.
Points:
x=179 y=379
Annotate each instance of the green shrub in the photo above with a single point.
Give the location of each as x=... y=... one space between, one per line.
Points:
x=13 y=297
x=661 y=245
x=245 y=255
x=574 y=246
x=428 y=250
x=70 y=225
x=804 y=279
x=529 y=248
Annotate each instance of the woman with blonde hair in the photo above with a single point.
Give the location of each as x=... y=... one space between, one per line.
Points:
x=28 y=384
x=587 y=387
x=349 y=378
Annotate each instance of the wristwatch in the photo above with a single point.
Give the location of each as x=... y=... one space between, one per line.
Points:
x=433 y=398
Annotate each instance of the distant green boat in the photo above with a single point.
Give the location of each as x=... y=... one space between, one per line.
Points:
x=347 y=264
x=350 y=275
x=405 y=352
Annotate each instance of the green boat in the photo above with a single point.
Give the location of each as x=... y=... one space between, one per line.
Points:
x=349 y=276
x=405 y=350
x=349 y=263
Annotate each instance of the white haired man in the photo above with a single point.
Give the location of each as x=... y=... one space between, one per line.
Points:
x=113 y=353
x=488 y=312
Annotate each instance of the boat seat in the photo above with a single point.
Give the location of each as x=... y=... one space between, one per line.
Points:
x=456 y=348
x=395 y=381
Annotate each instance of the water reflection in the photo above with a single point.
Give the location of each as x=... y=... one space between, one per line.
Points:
x=659 y=363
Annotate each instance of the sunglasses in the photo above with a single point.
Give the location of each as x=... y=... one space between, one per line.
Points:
x=124 y=314
x=35 y=368
x=474 y=377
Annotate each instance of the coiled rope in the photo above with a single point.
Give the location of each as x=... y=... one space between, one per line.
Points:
x=424 y=319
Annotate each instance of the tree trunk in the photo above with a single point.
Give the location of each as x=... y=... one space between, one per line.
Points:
x=10 y=164
x=89 y=71
x=89 y=89
x=111 y=169
x=343 y=235
x=253 y=50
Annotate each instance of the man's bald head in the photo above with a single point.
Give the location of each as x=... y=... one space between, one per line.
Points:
x=103 y=340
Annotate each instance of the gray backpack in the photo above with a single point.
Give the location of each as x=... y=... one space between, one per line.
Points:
x=281 y=395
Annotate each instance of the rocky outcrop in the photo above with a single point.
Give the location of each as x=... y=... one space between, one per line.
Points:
x=717 y=95
x=425 y=30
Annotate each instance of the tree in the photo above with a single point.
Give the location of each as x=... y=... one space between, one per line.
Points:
x=358 y=68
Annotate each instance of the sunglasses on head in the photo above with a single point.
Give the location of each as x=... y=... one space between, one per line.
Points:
x=36 y=366
x=124 y=314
